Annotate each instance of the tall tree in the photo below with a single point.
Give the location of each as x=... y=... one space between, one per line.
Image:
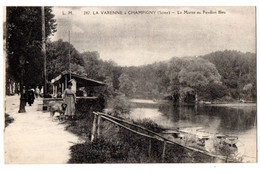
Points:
x=172 y=71
x=57 y=59
x=236 y=68
x=198 y=74
x=23 y=43
x=126 y=85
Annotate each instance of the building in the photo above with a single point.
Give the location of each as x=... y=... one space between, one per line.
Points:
x=88 y=91
x=82 y=85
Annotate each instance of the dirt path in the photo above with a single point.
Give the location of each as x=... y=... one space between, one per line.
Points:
x=33 y=138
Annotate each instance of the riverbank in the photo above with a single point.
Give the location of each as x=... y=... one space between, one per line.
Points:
x=205 y=116
x=119 y=145
x=236 y=119
x=234 y=104
x=56 y=142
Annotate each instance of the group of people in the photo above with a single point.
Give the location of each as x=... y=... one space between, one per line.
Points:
x=30 y=94
x=69 y=98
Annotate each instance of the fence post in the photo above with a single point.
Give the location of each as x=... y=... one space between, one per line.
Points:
x=212 y=159
x=93 y=133
x=150 y=147
x=163 y=152
x=98 y=125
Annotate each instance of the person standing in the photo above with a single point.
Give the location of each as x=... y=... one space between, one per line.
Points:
x=30 y=95
x=37 y=92
x=69 y=98
x=41 y=93
x=59 y=95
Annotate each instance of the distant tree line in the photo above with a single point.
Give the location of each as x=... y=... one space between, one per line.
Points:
x=222 y=75
x=218 y=76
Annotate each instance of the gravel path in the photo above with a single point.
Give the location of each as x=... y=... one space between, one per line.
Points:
x=33 y=138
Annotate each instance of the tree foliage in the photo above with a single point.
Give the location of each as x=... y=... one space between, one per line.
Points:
x=58 y=59
x=23 y=42
x=236 y=69
x=126 y=85
x=86 y=63
x=213 y=76
x=198 y=74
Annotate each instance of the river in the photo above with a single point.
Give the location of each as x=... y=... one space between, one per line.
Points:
x=228 y=119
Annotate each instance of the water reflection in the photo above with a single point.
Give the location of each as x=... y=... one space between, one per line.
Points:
x=229 y=119
x=232 y=119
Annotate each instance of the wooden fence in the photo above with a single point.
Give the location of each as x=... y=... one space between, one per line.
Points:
x=96 y=133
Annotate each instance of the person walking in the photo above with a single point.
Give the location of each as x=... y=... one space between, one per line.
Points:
x=30 y=95
x=69 y=98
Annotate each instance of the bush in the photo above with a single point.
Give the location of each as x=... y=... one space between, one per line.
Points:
x=80 y=127
x=226 y=99
x=100 y=151
x=214 y=91
x=149 y=124
x=8 y=119
x=120 y=106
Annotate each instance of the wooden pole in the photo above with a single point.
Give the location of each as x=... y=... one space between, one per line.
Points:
x=191 y=155
x=163 y=152
x=94 y=128
x=66 y=81
x=212 y=159
x=98 y=125
x=53 y=89
x=44 y=51
x=150 y=147
x=69 y=57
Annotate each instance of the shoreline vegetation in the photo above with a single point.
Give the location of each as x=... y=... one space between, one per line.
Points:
x=118 y=145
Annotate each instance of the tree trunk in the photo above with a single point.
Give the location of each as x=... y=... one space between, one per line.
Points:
x=22 y=103
x=23 y=94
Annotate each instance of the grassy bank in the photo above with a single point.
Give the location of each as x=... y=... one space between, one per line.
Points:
x=118 y=145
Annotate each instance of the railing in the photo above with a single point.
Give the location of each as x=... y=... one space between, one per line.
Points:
x=96 y=133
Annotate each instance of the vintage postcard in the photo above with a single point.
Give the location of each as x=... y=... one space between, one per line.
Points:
x=130 y=85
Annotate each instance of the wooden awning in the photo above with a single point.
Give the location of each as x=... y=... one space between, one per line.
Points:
x=82 y=80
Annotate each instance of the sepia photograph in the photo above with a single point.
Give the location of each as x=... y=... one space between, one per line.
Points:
x=129 y=84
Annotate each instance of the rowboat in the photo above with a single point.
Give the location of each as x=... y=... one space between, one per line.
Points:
x=226 y=139
x=201 y=139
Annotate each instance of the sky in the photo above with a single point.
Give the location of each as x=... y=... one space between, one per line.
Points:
x=144 y=35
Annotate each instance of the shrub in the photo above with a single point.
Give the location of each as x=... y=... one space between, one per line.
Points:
x=8 y=119
x=149 y=124
x=120 y=106
x=100 y=151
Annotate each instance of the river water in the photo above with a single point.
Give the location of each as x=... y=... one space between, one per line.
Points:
x=228 y=119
